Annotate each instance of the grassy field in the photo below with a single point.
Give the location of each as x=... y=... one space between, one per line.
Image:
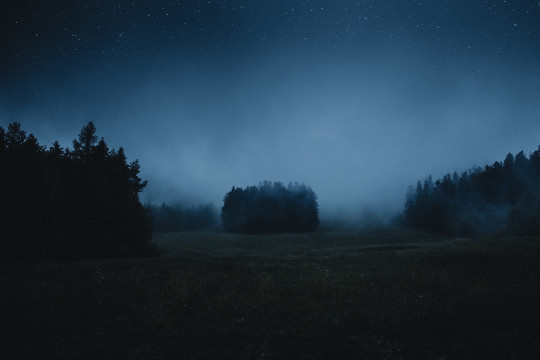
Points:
x=330 y=295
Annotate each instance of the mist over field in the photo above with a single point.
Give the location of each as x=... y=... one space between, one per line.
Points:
x=345 y=179
x=357 y=99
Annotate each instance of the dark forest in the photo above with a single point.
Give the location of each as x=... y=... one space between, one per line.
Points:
x=65 y=204
x=503 y=198
x=270 y=207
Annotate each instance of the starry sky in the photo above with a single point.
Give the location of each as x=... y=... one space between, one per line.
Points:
x=357 y=99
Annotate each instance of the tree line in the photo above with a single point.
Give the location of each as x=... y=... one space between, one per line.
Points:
x=83 y=203
x=502 y=198
x=63 y=204
x=270 y=208
x=168 y=218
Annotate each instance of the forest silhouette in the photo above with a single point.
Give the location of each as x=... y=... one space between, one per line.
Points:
x=83 y=203
x=503 y=198
x=66 y=204
x=270 y=208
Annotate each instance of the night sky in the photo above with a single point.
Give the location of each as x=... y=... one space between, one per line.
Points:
x=357 y=99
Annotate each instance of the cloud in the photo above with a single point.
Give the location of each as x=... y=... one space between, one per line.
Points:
x=357 y=119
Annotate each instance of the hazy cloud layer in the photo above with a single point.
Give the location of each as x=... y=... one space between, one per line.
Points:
x=358 y=100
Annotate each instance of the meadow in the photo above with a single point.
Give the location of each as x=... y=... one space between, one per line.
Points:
x=378 y=294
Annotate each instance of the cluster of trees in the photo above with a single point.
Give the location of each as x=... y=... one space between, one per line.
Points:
x=65 y=204
x=182 y=218
x=270 y=208
x=500 y=198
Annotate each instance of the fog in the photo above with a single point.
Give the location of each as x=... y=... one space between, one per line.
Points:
x=358 y=113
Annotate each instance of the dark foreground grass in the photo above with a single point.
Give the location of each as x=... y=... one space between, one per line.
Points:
x=377 y=295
